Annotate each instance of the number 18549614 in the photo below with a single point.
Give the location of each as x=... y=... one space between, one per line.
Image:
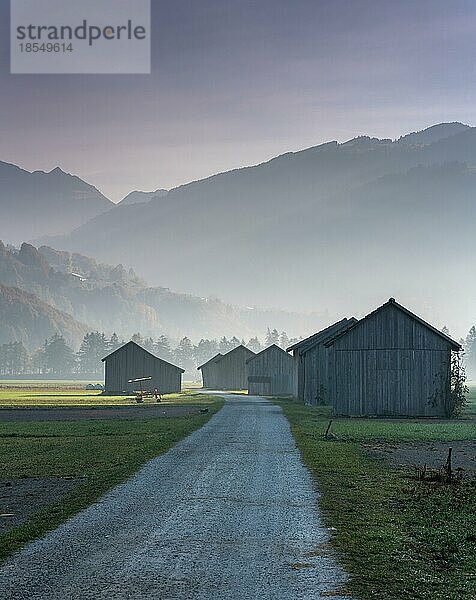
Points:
x=46 y=47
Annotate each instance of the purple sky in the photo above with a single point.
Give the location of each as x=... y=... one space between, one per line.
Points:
x=236 y=82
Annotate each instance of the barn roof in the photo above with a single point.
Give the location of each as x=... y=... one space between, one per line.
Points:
x=323 y=335
x=131 y=343
x=272 y=347
x=393 y=302
x=213 y=359
x=227 y=354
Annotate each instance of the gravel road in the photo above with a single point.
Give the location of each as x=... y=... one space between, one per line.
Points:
x=229 y=513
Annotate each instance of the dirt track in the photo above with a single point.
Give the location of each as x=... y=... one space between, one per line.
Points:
x=84 y=414
x=228 y=513
x=430 y=454
x=22 y=498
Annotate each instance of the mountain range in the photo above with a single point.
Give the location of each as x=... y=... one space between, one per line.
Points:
x=336 y=227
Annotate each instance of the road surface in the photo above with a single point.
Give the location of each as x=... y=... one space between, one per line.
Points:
x=227 y=514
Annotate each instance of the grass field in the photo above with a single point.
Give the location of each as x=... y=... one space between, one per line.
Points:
x=399 y=538
x=103 y=453
x=470 y=409
x=45 y=383
x=31 y=394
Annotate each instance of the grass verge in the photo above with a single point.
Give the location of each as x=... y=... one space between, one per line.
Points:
x=63 y=395
x=104 y=453
x=399 y=538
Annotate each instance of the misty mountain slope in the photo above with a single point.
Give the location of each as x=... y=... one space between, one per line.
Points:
x=138 y=197
x=103 y=297
x=115 y=299
x=433 y=134
x=420 y=251
x=25 y=318
x=38 y=203
x=409 y=234
x=340 y=226
x=234 y=199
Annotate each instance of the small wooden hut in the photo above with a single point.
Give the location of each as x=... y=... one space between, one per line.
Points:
x=210 y=372
x=271 y=373
x=232 y=370
x=131 y=361
x=311 y=364
x=391 y=363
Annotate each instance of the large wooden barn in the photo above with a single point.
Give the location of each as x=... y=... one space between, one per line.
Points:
x=210 y=372
x=131 y=361
x=391 y=363
x=271 y=373
x=311 y=364
x=232 y=370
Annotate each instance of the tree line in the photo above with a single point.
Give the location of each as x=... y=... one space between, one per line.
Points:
x=55 y=357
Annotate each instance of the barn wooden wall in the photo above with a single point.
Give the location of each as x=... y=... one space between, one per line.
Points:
x=133 y=362
x=312 y=366
x=232 y=371
x=312 y=369
x=271 y=373
x=390 y=364
x=210 y=374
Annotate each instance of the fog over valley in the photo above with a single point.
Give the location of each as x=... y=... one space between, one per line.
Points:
x=334 y=229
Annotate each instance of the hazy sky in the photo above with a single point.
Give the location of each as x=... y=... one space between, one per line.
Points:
x=236 y=82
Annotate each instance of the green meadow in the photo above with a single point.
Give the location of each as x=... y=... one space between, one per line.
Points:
x=37 y=394
x=400 y=538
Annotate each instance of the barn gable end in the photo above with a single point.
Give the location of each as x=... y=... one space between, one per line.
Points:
x=131 y=361
x=391 y=363
x=231 y=369
x=271 y=373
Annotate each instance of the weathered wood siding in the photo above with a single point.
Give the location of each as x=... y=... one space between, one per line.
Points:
x=232 y=370
x=312 y=374
x=271 y=373
x=390 y=364
x=311 y=359
x=131 y=362
x=210 y=372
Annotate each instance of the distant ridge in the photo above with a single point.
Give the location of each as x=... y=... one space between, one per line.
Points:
x=433 y=134
x=39 y=203
x=138 y=197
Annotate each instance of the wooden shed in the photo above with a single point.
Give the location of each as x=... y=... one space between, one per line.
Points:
x=311 y=358
x=131 y=361
x=271 y=373
x=391 y=363
x=232 y=370
x=210 y=372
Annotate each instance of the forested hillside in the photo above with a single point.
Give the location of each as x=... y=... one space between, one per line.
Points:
x=115 y=299
x=26 y=319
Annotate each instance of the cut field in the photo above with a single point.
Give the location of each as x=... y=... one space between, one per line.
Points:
x=400 y=538
x=470 y=409
x=28 y=394
x=88 y=457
